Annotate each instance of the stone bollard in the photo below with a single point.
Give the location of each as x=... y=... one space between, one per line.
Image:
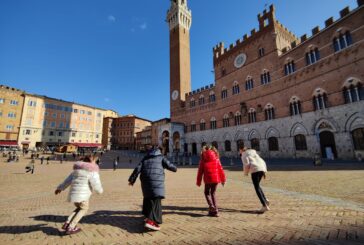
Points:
x=231 y=162
x=190 y=161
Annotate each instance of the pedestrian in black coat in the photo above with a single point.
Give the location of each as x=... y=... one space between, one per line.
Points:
x=151 y=170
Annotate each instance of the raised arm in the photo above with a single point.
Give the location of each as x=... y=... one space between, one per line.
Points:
x=168 y=165
x=67 y=182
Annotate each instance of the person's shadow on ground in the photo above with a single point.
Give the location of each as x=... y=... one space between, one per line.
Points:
x=21 y=229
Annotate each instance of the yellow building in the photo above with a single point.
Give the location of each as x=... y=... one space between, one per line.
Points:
x=11 y=105
x=49 y=122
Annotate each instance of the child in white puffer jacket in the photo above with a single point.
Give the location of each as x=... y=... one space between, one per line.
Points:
x=83 y=180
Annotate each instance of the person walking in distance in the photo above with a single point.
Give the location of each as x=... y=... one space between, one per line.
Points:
x=115 y=164
x=257 y=167
x=211 y=170
x=151 y=170
x=48 y=160
x=83 y=180
x=42 y=160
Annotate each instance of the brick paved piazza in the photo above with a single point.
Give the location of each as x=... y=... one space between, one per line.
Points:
x=308 y=207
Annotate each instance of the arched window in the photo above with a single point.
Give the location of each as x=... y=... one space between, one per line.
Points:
x=213 y=123
x=358 y=139
x=353 y=91
x=226 y=121
x=269 y=112
x=295 y=106
x=212 y=97
x=265 y=77
x=202 y=125
x=261 y=52
x=255 y=144
x=193 y=126
x=214 y=144
x=289 y=67
x=273 y=144
x=342 y=40
x=237 y=118
x=201 y=100
x=239 y=144
x=236 y=88
x=224 y=93
x=312 y=56
x=300 y=142
x=192 y=103
x=252 y=115
x=227 y=145
x=249 y=83
x=319 y=100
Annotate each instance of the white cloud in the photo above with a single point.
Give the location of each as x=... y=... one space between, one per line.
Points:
x=111 y=18
x=143 y=26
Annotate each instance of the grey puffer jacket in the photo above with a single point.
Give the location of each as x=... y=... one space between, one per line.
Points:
x=151 y=170
x=83 y=180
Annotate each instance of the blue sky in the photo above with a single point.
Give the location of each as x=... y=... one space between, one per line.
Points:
x=115 y=54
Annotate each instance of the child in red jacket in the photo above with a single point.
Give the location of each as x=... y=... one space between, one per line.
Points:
x=213 y=174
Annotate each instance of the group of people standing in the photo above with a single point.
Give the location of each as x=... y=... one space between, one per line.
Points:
x=85 y=178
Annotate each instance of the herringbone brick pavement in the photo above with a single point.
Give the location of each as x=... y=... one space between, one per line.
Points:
x=30 y=213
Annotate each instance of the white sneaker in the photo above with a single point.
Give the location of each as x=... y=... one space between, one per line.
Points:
x=264 y=209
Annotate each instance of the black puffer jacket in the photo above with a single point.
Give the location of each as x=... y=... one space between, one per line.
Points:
x=151 y=170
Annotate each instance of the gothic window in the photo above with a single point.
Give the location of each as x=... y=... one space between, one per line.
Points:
x=239 y=144
x=212 y=97
x=252 y=116
x=202 y=125
x=295 y=106
x=227 y=145
x=358 y=139
x=319 y=100
x=312 y=56
x=342 y=41
x=289 y=68
x=236 y=88
x=353 y=93
x=273 y=144
x=192 y=103
x=225 y=121
x=300 y=142
x=249 y=83
x=215 y=144
x=255 y=144
x=269 y=112
x=201 y=100
x=224 y=93
x=237 y=118
x=213 y=123
x=265 y=77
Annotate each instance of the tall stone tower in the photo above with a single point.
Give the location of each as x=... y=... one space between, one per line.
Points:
x=179 y=19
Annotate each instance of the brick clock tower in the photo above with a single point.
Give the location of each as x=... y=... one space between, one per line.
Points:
x=179 y=19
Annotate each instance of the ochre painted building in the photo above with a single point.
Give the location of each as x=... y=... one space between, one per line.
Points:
x=283 y=95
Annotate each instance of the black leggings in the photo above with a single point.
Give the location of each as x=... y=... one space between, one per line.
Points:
x=256 y=178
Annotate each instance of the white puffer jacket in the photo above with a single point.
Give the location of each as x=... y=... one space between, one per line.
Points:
x=84 y=179
x=253 y=162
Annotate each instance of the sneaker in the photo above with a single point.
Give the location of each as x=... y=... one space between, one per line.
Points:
x=264 y=209
x=150 y=224
x=65 y=226
x=71 y=231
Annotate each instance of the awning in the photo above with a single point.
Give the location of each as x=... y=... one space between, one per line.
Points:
x=87 y=145
x=8 y=143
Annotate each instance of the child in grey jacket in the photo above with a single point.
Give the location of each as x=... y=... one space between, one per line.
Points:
x=83 y=180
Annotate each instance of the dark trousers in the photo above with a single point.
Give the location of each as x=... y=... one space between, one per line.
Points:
x=210 y=190
x=152 y=209
x=257 y=177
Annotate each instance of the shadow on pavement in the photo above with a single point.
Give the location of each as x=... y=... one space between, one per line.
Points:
x=185 y=211
x=21 y=229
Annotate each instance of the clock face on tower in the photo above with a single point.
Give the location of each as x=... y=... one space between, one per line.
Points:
x=240 y=60
x=174 y=94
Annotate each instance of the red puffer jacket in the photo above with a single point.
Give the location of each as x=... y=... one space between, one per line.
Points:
x=210 y=168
